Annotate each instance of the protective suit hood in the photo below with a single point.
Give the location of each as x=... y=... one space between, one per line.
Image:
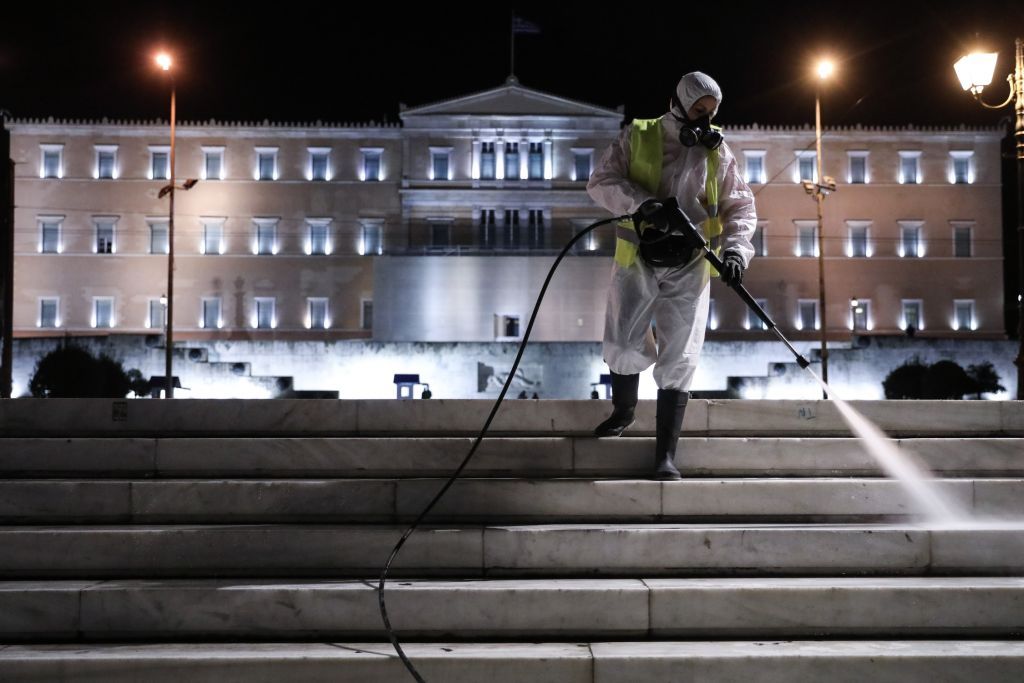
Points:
x=691 y=88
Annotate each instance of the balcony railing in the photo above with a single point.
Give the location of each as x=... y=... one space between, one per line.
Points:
x=433 y=238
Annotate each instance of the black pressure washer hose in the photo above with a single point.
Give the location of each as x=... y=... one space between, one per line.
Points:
x=679 y=223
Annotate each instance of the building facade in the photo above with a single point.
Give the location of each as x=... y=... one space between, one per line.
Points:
x=442 y=228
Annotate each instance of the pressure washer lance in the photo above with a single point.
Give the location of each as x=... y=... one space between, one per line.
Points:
x=679 y=224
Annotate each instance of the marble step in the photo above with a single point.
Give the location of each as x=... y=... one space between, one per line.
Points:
x=678 y=549
x=440 y=417
x=879 y=661
x=523 y=456
x=147 y=610
x=104 y=501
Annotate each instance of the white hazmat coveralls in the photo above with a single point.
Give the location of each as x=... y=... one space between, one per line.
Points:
x=675 y=298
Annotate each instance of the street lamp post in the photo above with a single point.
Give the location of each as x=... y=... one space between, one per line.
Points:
x=164 y=62
x=819 y=188
x=975 y=72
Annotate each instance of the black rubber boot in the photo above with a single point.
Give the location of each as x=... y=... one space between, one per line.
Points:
x=671 y=408
x=624 y=388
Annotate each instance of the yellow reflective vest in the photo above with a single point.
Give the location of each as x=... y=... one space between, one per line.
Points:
x=645 y=159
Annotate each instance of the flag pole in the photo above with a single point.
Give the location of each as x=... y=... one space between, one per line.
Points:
x=512 y=46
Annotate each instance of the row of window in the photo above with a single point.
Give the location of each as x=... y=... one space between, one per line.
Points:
x=507 y=163
x=491 y=161
x=516 y=229
x=318 y=167
x=960 y=168
x=263 y=314
x=858 y=243
x=264 y=237
x=806 y=315
x=317 y=315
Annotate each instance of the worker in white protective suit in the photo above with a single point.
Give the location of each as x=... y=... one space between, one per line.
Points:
x=682 y=156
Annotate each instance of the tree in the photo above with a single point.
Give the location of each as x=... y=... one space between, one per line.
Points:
x=942 y=380
x=985 y=378
x=73 y=372
x=906 y=381
x=946 y=380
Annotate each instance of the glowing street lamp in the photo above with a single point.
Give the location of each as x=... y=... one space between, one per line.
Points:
x=975 y=72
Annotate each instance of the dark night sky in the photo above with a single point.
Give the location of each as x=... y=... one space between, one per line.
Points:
x=333 y=62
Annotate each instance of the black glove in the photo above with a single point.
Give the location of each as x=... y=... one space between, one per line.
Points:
x=732 y=269
x=654 y=212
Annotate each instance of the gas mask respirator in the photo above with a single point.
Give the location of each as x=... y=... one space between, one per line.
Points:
x=698 y=131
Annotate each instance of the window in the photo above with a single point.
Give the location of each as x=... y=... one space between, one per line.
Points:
x=807 y=239
x=266 y=163
x=753 y=321
x=319 y=163
x=961 y=171
x=213 y=236
x=712 y=315
x=371 y=244
x=372 y=164
x=911 y=315
x=758 y=239
x=487 y=163
x=103 y=311
x=49 y=234
x=52 y=161
x=858 y=167
x=440 y=233
x=962 y=247
x=106 y=162
x=512 y=161
x=963 y=315
x=857 y=240
x=159 y=163
x=318 y=243
x=538 y=236
x=860 y=315
x=910 y=167
x=806 y=166
x=157 y=311
x=536 y=161
x=513 y=237
x=366 y=314
x=266 y=319
x=807 y=315
x=104 y=236
x=910 y=240
x=440 y=163
x=213 y=163
x=211 y=314
x=754 y=172
x=485 y=229
x=158 y=231
x=266 y=236
x=49 y=315
x=316 y=314
x=582 y=164
x=506 y=327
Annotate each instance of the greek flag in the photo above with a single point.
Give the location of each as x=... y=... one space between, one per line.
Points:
x=520 y=25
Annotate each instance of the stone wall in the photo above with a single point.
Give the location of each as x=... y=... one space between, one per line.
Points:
x=363 y=369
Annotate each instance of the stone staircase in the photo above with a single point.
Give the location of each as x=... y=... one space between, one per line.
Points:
x=241 y=541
